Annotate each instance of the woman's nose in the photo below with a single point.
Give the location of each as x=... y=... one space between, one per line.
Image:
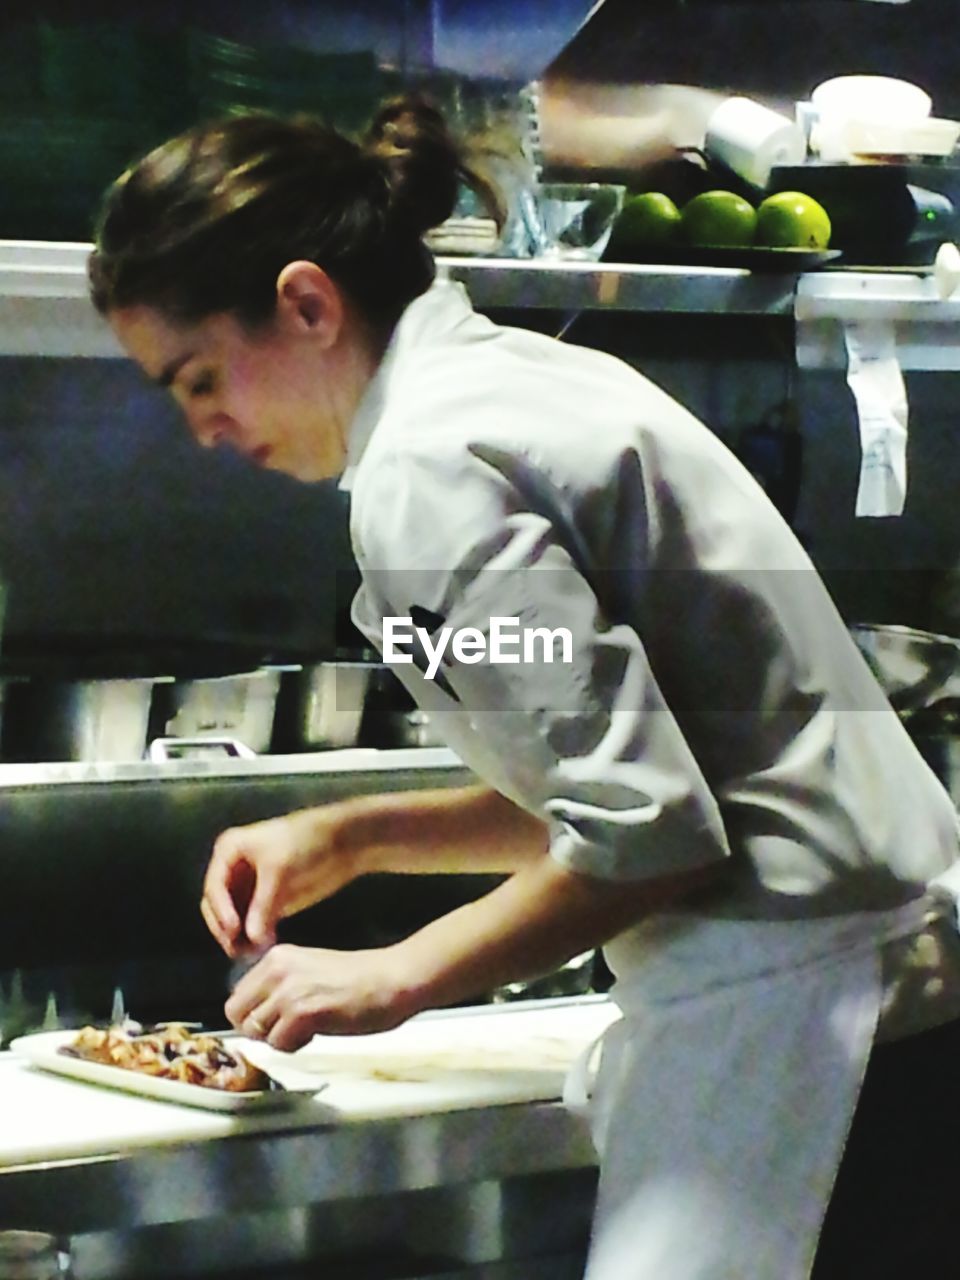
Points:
x=209 y=429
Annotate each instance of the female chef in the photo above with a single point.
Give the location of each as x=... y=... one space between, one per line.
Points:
x=690 y=765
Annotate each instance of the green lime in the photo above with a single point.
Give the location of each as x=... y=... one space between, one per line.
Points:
x=649 y=220
x=718 y=220
x=792 y=220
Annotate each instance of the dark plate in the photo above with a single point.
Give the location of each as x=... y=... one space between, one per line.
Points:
x=748 y=259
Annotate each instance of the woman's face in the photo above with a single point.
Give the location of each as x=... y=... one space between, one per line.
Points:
x=282 y=396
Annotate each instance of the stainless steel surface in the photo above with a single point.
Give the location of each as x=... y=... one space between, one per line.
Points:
x=526 y=1228
x=918 y=670
x=286 y=1170
x=46 y=302
x=573 y=286
x=920 y=673
x=239 y=706
x=322 y=705
x=322 y=765
x=45 y=309
x=85 y=720
x=574 y=978
x=163 y=749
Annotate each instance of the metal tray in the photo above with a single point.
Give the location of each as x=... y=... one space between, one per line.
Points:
x=43 y=1050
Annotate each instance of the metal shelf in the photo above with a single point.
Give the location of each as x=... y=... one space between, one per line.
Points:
x=612 y=286
x=349 y=761
x=45 y=309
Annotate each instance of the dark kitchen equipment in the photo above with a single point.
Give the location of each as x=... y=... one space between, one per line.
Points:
x=881 y=214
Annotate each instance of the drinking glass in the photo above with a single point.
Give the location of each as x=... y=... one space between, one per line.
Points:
x=576 y=218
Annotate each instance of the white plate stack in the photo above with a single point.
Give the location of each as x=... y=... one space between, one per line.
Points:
x=476 y=237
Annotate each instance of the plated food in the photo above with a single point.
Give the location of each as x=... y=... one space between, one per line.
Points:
x=177 y=1063
x=172 y=1051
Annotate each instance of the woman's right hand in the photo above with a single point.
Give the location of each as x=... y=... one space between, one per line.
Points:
x=262 y=873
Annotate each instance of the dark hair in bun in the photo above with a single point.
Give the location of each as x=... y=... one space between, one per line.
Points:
x=206 y=222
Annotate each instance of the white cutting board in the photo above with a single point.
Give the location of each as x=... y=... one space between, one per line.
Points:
x=436 y=1062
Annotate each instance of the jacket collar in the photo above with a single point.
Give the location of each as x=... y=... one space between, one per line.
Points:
x=434 y=313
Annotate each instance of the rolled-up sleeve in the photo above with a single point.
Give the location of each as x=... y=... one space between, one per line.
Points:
x=583 y=737
x=590 y=742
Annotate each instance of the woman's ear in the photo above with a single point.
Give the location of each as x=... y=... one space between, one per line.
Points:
x=309 y=303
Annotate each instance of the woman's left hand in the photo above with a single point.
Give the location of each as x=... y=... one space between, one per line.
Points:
x=294 y=993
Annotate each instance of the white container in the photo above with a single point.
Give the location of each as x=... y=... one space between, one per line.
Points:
x=750 y=139
x=880 y=115
x=872 y=98
x=930 y=137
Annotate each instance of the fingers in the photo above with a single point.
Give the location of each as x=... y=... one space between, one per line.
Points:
x=250 y=993
x=268 y=1003
x=294 y=993
x=255 y=1009
x=227 y=888
x=240 y=893
x=260 y=922
x=227 y=939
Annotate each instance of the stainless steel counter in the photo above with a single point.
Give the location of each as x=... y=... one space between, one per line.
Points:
x=293 y=1169
x=477 y=1190
x=441 y=1194
x=492 y=1191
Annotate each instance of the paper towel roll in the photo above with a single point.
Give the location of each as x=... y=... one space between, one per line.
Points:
x=750 y=139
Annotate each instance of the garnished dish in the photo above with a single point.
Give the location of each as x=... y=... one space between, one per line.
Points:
x=171 y=1051
x=175 y=1062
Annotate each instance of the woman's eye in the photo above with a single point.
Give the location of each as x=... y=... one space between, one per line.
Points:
x=201 y=386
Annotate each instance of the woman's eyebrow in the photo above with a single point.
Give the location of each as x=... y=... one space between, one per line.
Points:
x=172 y=368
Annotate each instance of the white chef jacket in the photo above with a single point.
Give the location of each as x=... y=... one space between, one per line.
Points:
x=715 y=710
